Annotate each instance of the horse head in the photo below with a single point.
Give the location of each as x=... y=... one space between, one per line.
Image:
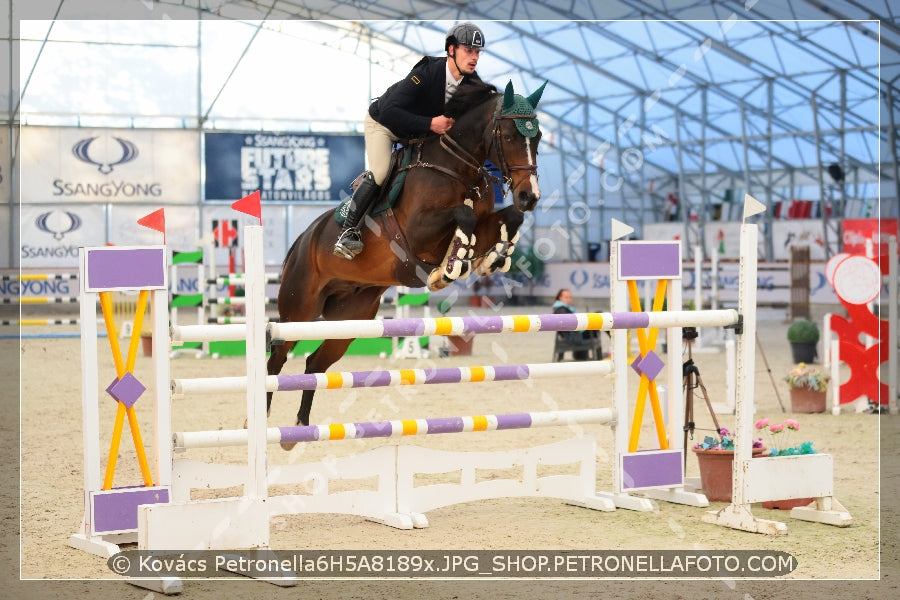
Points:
x=516 y=137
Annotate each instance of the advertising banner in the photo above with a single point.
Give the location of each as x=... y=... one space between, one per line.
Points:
x=223 y=230
x=287 y=167
x=52 y=234
x=6 y=220
x=5 y=169
x=857 y=231
x=182 y=227
x=70 y=164
x=590 y=281
x=798 y=232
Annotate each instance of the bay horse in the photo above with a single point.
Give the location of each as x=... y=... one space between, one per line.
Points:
x=441 y=228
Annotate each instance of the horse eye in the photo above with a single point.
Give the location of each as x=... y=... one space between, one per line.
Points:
x=507 y=138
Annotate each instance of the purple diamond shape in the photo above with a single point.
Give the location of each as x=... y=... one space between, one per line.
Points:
x=126 y=390
x=636 y=364
x=650 y=365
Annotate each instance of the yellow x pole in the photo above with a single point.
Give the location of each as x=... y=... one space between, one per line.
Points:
x=121 y=368
x=647 y=342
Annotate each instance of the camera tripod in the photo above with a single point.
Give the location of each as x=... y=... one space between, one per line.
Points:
x=691 y=380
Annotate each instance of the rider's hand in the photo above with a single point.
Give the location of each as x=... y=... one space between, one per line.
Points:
x=440 y=124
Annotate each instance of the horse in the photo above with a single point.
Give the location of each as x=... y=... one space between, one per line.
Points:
x=441 y=228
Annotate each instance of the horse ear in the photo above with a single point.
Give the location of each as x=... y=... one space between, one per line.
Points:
x=508 y=97
x=535 y=97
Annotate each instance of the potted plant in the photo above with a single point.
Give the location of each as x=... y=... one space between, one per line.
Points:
x=782 y=442
x=803 y=336
x=715 y=457
x=808 y=387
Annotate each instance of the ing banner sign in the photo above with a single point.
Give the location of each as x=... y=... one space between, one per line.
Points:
x=286 y=167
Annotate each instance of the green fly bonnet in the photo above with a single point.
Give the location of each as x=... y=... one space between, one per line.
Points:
x=514 y=104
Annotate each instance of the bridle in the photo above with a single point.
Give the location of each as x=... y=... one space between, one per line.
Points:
x=455 y=150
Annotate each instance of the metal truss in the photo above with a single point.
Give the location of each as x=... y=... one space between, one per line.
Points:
x=782 y=99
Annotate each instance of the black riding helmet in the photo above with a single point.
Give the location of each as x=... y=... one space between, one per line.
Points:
x=464 y=34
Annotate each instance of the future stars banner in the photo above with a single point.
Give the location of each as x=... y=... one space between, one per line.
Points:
x=287 y=167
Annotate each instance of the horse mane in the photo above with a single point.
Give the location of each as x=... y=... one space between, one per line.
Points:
x=469 y=95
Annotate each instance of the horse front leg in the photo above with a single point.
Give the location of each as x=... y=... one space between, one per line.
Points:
x=503 y=228
x=457 y=263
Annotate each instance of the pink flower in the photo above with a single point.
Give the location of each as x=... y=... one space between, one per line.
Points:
x=792 y=424
x=776 y=428
x=762 y=424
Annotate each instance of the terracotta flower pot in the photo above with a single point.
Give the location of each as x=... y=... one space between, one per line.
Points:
x=147 y=344
x=805 y=400
x=715 y=472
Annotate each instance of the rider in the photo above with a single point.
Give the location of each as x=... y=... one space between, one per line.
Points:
x=412 y=107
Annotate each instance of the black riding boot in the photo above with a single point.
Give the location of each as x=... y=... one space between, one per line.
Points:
x=349 y=244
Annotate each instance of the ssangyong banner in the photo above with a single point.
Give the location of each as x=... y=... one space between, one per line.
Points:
x=5 y=171
x=52 y=234
x=287 y=167
x=68 y=164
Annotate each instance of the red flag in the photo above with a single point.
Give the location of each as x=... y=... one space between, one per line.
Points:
x=249 y=205
x=155 y=220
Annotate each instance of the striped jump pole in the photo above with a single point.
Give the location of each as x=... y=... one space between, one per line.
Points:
x=318 y=330
x=240 y=278
x=396 y=428
x=40 y=277
x=41 y=300
x=396 y=377
x=24 y=322
x=237 y=300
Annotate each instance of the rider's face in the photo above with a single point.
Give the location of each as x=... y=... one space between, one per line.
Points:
x=466 y=59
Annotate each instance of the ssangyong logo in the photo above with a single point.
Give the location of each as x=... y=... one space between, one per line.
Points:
x=106 y=154
x=58 y=223
x=82 y=151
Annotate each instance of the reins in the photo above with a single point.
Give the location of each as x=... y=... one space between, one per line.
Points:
x=454 y=149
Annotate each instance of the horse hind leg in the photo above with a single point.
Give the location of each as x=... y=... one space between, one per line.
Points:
x=364 y=306
x=277 y=357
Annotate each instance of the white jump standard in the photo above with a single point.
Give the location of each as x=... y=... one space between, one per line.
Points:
x=243 y=522
x=111 y=514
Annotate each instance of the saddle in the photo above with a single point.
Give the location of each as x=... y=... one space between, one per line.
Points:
x=401 y=158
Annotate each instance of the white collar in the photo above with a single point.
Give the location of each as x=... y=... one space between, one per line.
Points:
x=450 y=78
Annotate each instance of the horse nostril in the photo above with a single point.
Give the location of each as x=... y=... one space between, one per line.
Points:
x=527 y=200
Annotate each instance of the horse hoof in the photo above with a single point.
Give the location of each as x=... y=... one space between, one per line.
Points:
x=288 y=446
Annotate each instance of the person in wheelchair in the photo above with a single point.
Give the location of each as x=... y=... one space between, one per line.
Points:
x=581 y=343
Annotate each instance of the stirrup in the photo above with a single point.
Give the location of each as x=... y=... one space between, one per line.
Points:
x=348 y=244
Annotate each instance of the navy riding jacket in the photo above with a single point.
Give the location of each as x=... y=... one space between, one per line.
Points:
x=407 y=107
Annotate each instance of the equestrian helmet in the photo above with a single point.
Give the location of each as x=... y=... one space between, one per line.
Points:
x=464 y=34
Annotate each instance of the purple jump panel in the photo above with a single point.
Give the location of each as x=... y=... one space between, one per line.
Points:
x=650 y=260
x=115 y=511
x=125 y=268
x=655 y=468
